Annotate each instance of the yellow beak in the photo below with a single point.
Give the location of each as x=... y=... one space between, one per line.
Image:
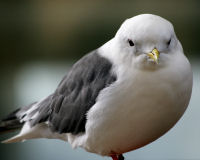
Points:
x=154 y=54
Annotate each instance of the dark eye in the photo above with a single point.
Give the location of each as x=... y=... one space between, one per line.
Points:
x=168 y=42
x=130 y=42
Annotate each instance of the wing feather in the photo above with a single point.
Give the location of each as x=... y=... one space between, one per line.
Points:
x=77 y=93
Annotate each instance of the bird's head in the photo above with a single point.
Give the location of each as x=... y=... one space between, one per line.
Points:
x=147 y=39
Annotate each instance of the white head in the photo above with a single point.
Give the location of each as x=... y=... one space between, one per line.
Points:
x=148 y=40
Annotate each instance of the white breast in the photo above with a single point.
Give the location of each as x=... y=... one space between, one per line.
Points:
x=137 y=109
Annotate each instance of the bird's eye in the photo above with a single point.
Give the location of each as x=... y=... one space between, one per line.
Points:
x=168 y=42
x=130 y=42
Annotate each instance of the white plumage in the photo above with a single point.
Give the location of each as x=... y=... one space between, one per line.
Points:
x=147 y=98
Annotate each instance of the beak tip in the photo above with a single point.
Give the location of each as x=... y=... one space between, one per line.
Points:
x=154 y=55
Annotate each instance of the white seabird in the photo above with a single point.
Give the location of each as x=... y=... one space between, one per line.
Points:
x=117 y=98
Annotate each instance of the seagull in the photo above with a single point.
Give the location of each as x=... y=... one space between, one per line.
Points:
x=117 y=98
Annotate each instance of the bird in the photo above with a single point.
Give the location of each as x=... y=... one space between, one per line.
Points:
x=117 y=98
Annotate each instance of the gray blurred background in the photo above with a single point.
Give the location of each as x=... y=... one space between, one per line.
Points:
x=41 y=39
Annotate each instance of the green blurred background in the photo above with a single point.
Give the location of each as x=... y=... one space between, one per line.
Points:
x=40 y=40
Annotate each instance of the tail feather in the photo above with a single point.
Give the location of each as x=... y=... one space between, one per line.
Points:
x=11 y=116
x=9 y=126
x=13 y=122
x=10 y=123
x=31 y=120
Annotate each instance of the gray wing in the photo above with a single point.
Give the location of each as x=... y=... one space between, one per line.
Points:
x=66 y=109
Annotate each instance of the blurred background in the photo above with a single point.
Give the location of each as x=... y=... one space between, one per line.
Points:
x=41 y=39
